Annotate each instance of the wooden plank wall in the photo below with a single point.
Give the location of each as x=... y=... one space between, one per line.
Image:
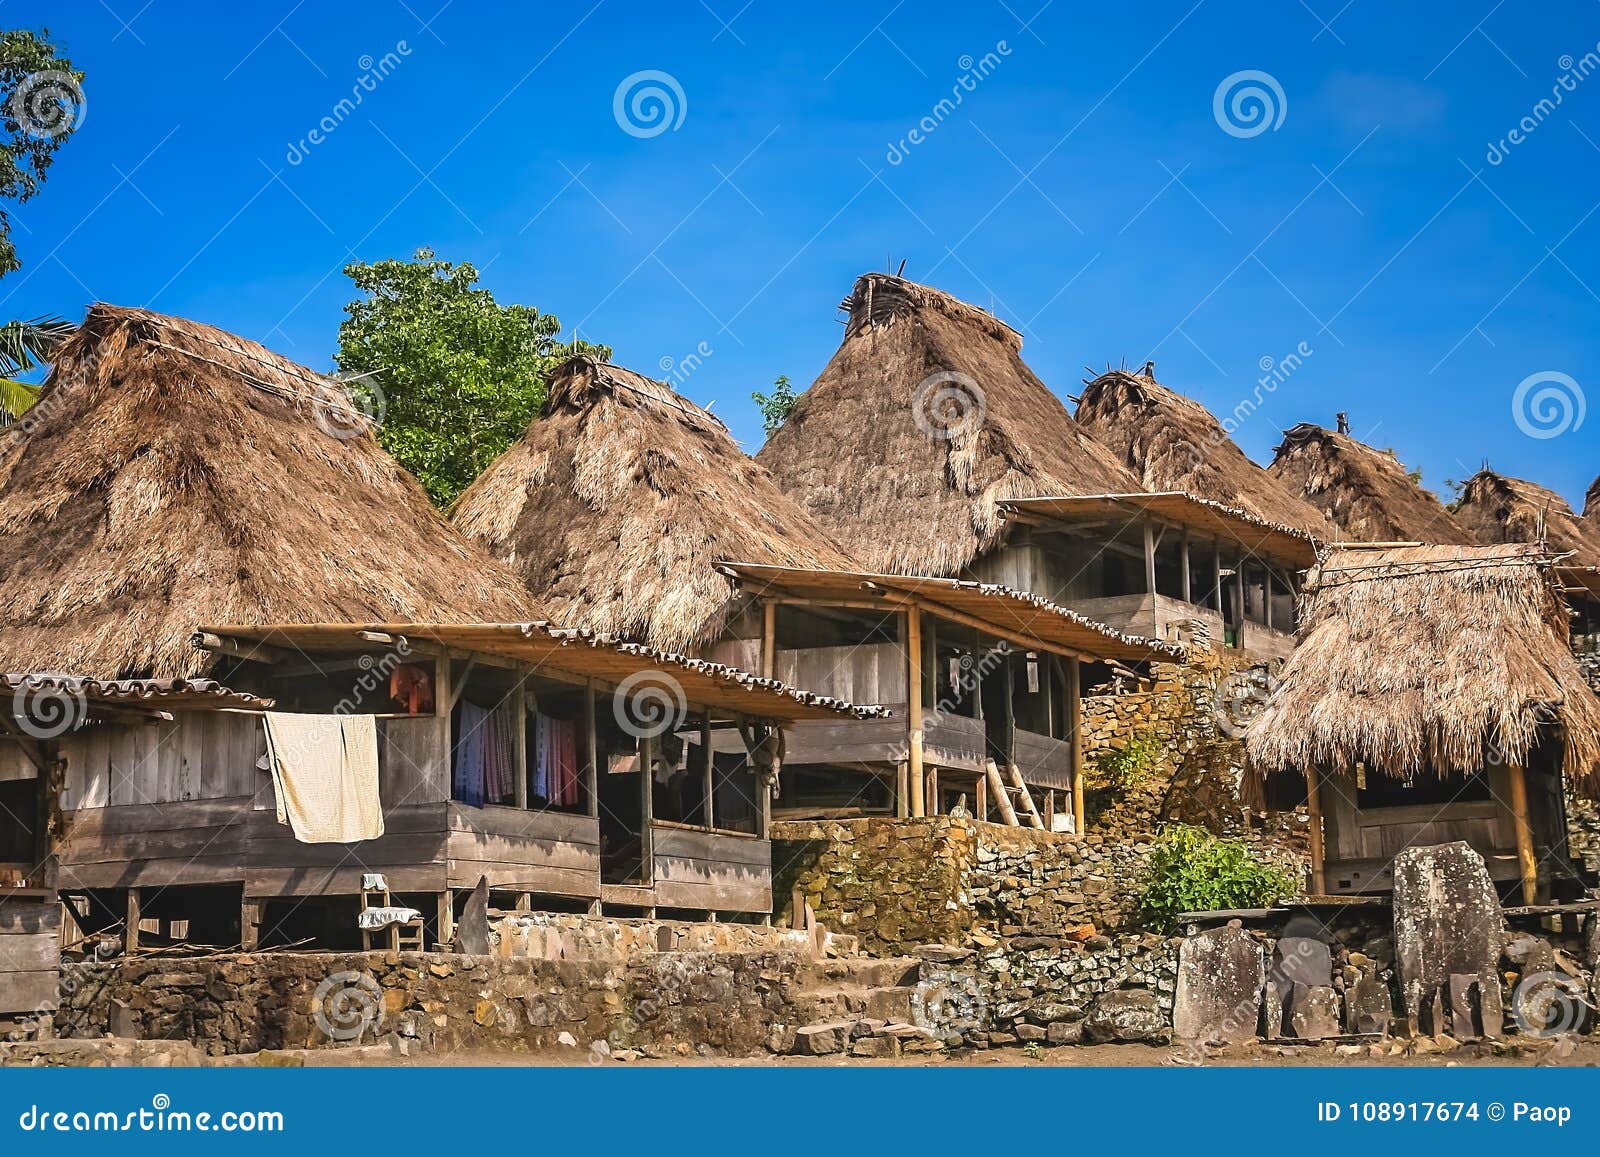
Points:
x=554 y=853
x=874 y=673
x=30 y=953
x=711 y=870
x=154 y=845
x=1045 y=762
x=1362 y=844
x=199 y=755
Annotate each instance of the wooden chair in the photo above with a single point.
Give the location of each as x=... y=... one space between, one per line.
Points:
x=404 y=936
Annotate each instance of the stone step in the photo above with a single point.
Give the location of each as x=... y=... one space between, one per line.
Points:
x=866 y=971
x=888 y=1004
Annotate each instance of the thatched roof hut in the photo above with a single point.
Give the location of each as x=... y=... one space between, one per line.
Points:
x=618 y=503
x=1495 y=509
x=1365 y=492
x=1416 y=660
x=1171 y=442
x=173 y=474
x=922 y=424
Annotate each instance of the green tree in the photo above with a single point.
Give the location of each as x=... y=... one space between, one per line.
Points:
x=777 y=406
x=41 y=105
x=460 y=375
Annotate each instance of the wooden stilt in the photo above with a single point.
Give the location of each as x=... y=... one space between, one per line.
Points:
x=249 y=924
x=1075 y=720
x=914 y=709
x=982 y=803
x=769 y=638
x=447 y=916
x=1518 y=784
x=1319 y=884
x=130 y=937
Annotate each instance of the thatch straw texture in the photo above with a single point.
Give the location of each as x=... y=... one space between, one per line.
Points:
x=1591 y=502
x=618 y=503
x=173 y=474
x=1365 y=492
x=924 y=421
x=1496 y=509
x=1174 y=443
x=1427 y=658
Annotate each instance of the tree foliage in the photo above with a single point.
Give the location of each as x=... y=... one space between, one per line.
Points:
x=778 y=405
x=25 y=346
x=40 y=107
x=460 y=375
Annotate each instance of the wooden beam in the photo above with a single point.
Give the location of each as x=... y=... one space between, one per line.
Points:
x=913 y=622
x=447 y=916
x=647 y=810
x=1075 y=721
x=705 y=754
x=1188 y=594
x=997 y=789
x=902 y=789
x=250 y=924
x=130 y=927
x=1028 y=805
x=982 y=803
x=1518 y=783
x=1319 y=883
x=1003 y=634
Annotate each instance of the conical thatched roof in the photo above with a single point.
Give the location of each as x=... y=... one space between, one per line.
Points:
x=1365 y=492
x=1591 y=502
x=174 y=474
x=1174 y=443
x=1427 y=658
x=618 y=503
x=922 y=424
x=1494 y=509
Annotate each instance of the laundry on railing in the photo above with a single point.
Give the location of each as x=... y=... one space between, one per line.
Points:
x=325 y=776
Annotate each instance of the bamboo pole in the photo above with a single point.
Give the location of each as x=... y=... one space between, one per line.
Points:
x=1518 y=782
x=914 y=708
x=997 y=789
x=769 y=638
x=1319 y=886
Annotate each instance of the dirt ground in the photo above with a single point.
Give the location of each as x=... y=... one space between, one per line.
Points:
x=1567 y=1052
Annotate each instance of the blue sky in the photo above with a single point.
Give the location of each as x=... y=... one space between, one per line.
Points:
x=1084 y=189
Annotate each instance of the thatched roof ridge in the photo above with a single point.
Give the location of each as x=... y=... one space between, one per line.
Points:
x=1591 y=502
x=173 y=473
x=925 y=420
x=1172 y=442
x=1495 y=508
x=617 y=503
x=1426 y=658
x=1365 y=492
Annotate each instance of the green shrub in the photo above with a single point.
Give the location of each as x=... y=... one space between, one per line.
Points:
x=1192 y=870
x=1130 y=766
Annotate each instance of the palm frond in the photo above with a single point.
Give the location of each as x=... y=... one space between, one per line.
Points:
x=15 y=399
x=27 y=345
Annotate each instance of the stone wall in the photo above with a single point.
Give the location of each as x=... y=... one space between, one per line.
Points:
x=661 y=1003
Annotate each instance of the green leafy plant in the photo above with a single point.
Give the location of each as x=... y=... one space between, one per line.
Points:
x=42 y=97
x=1129 y=767
x=1192 y=870
x=25 y=346
x=778 y=405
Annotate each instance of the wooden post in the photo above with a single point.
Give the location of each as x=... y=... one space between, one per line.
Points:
x=705 y=752
x=982 y=798
x=249 y=924
x=647 y=808
x=1216 y=583
x=1188 y=593
x=914 y=709
x=591 y=737
x=130 y=937
x=1266 y=595
x=902 y=789
x=997 y=789
x=1518 y=783
x=769 y=638
x=931 y=792
x=447 y=917
x=1150 y=560
x=1075 y=721
x=519 y=740
x=1319 y=883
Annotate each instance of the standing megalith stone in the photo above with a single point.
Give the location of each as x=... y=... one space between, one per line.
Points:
x=1447 y=924
x=1220 y=979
